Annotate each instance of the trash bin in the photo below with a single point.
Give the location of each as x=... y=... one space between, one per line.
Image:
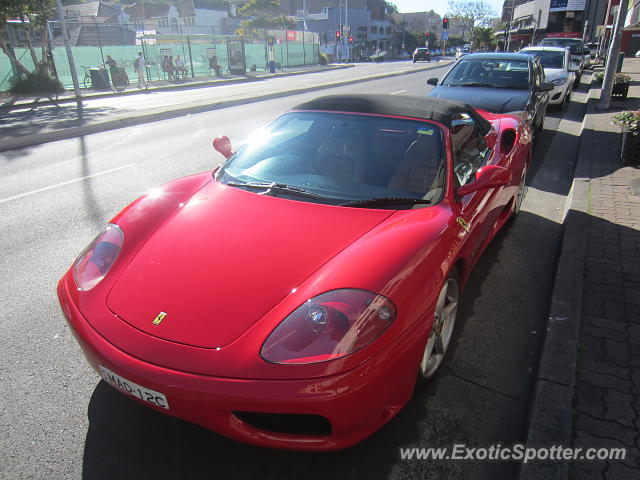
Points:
x=100 y=79
x=119 y=77
x=620 y=60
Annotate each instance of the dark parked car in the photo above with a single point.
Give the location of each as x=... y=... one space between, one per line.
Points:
x=421 y=54
x=500 y=83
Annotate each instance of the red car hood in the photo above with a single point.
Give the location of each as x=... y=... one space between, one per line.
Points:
x=226 y=258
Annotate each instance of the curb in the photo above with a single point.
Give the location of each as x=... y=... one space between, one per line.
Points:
x=551 y=413
x=185 y=86
x=157 y=115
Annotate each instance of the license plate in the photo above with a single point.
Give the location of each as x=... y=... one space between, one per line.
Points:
x=127 y=386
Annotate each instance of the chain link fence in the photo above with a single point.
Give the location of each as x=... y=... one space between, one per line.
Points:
x=234 y=54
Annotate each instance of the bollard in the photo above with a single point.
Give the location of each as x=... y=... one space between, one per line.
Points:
x=620 y=60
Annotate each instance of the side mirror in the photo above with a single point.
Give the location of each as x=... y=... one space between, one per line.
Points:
x=545 y=87
x=223 y=145
x=432 y=81
x=490 y=176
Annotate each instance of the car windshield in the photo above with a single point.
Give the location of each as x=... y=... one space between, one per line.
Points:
x=342 y=159
x=421 y=50
x=548 y=58
x=574 y=46
x=498 y=73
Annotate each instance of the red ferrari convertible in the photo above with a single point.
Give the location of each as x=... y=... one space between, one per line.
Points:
x=293 y=297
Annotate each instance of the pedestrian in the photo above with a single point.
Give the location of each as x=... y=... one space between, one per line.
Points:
x=111 y=63
x=213 y=64
x=180 y=68
x=140 y=65
x=171 y=68
x=118 y=76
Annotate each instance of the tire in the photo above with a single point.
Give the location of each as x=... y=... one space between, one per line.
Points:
x=414 y=60
x=566 y=100
x=445 y=314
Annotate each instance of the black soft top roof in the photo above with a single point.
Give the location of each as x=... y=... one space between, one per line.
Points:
x=441 y=111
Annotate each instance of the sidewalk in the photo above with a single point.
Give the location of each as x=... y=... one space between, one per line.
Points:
x=588 y=389
x=165 y=85
x=28 y=125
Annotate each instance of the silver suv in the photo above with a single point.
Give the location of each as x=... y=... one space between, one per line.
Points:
x=576 y=49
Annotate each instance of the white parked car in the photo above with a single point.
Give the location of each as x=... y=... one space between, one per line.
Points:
x=558 y=69
x=576 y=48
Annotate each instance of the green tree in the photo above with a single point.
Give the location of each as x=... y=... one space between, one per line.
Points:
x=469 y=14
x=33 y=14
x=264 y=14
x=482 y=37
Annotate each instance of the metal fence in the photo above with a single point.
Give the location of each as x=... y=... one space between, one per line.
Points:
x=91 y=43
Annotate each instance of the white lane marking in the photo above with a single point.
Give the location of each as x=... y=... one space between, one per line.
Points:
x=50 y=187
x=399 y=91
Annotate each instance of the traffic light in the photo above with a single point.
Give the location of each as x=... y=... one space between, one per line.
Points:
x=426 y=35
x=337 y=34
x=445 y=23
x=350 y=40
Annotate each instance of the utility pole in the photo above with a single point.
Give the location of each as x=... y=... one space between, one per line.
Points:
x=67 y=46
x=506 y=49
x=612 y=58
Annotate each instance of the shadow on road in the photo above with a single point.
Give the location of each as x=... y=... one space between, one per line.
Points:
x=35 y=120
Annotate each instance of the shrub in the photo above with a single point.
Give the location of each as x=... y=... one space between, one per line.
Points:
x=628 y=120
x=34 y=84
x=324 y=59
x=621 y=77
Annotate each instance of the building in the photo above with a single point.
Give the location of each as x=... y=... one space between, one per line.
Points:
x=95 y=24
x=429 y=22
x=529 y=22
x=367 y=24
x=180 y=17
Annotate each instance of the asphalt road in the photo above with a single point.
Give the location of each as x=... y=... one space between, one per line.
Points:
x=60 y=422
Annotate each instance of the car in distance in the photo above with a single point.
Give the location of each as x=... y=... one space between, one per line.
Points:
x=421 y=53
x=293 y=297
x=558 y=70
x=576 y=49
x=499 y=83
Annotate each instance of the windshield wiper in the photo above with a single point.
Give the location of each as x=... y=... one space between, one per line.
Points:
x=477 y=84
x=276 y=187
x=371 y=202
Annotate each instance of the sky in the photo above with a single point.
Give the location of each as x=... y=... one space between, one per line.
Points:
x=438 y=6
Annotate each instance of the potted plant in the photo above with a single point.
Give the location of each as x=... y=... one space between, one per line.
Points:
x=621 y=83
x=630 y=122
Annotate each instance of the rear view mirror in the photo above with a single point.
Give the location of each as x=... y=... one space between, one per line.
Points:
x=432 y=81
x=222 y=144
x=490 y=176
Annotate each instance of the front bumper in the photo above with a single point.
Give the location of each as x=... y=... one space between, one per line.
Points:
x=556 y=96
x=355 y=403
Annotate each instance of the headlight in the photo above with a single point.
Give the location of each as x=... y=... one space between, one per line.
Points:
x=329 y=326
x=559 y=81
x=98 y=258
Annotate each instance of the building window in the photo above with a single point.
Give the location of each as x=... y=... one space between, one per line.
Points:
x=374 y=30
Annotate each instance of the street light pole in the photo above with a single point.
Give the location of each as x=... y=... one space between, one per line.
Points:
x=612 y=57
x=67 y=46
